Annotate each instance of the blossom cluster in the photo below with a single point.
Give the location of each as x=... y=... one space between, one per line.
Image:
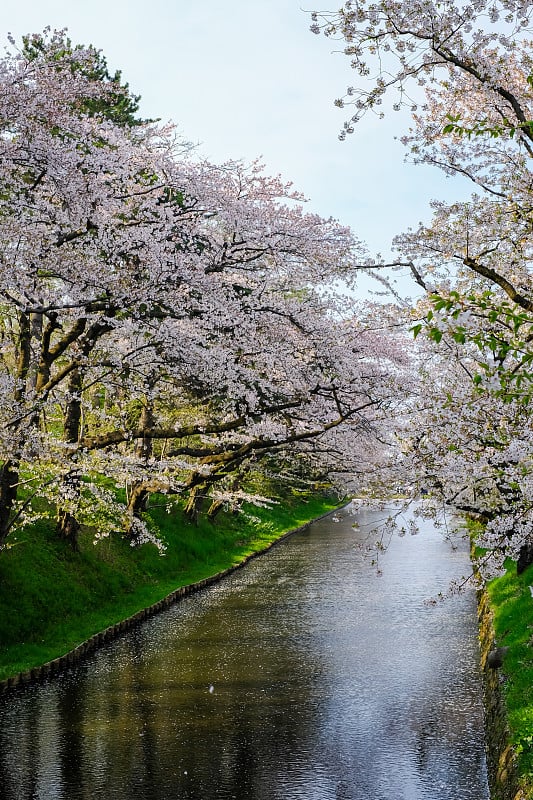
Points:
x=168 y=325
x=465 y=71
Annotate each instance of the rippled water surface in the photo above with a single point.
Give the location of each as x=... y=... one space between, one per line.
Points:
x=302 y=677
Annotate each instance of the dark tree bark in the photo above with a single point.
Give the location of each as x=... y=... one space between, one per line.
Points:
x=72 y=424
x=9 y=478
x=9 y=473
x=68 y=527
x=525 y=557
x=195 y=502
x=144 y=447
x=138 y=501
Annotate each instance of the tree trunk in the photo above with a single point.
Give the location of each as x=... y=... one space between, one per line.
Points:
x=214 y=509
x=72 y=424
x=143 y=447
x=138 y=500
x=36 y=335
x=9 y=478
x=195 y=502
x=136 y=505
x=23 y=356
x=525 y=558
x=9 y=473
x=68 y=527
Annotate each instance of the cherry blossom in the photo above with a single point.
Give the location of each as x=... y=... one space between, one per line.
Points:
x=169 y=325
x=465 y=70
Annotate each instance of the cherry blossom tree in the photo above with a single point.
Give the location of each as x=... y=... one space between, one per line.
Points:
x=265 y=369
x=166 y=323
x=469 y=66
x=465 y=448
x=465 y=71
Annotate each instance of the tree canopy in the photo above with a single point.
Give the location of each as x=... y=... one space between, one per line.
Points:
x=465 y=70
x=168 y=325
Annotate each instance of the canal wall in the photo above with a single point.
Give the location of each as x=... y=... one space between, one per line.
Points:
x=501 y=759
x=46 y=671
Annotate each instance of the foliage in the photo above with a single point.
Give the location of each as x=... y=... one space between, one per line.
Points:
x=117 y=104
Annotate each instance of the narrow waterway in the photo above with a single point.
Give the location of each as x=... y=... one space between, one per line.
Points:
x=302 y=677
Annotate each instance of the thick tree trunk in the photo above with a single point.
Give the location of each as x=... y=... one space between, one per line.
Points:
x=140 y=496
x=143 y=447
x=525 y=558
x=195 y=502
x=68 y=527
x=140 y=490
x=138 y=500
x=137 y=503
x=72 y=424
x=23 y=356
x=9 y=472
x=36 y=321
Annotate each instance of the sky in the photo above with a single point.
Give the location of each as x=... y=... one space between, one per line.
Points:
x=244 y=79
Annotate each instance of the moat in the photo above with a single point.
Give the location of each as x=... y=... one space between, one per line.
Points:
x=303 y=676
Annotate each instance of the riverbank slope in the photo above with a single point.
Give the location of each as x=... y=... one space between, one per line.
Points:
x=506 y=637
x=52 y=598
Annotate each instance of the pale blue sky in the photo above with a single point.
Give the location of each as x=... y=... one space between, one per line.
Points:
x=246 y=78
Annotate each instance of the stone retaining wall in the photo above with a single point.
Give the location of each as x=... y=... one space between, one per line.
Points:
x=501 y=758
x=51 y=668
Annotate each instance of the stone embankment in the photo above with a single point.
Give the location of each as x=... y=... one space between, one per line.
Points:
x=501 y=759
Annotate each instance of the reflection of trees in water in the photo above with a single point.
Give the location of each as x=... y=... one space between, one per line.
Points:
x=15 y=754
x=144 y=724
x=448 y=733
x=29 y=747
x=71 y=705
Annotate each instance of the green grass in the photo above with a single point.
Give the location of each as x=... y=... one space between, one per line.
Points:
x=52 y=599
x=512 y=605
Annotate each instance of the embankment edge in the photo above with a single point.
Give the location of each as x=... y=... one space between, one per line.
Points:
x=46 y=671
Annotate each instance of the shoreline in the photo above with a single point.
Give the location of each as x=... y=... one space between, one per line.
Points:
x=50 y=669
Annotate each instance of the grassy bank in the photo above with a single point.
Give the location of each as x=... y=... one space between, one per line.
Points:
x=512 y=604
x=51 y=598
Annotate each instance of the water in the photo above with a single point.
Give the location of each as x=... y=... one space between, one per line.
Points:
x=302 y=677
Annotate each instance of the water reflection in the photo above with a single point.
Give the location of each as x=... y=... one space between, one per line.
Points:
x=302 y=677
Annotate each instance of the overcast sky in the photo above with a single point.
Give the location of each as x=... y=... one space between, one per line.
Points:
x=246 y=78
